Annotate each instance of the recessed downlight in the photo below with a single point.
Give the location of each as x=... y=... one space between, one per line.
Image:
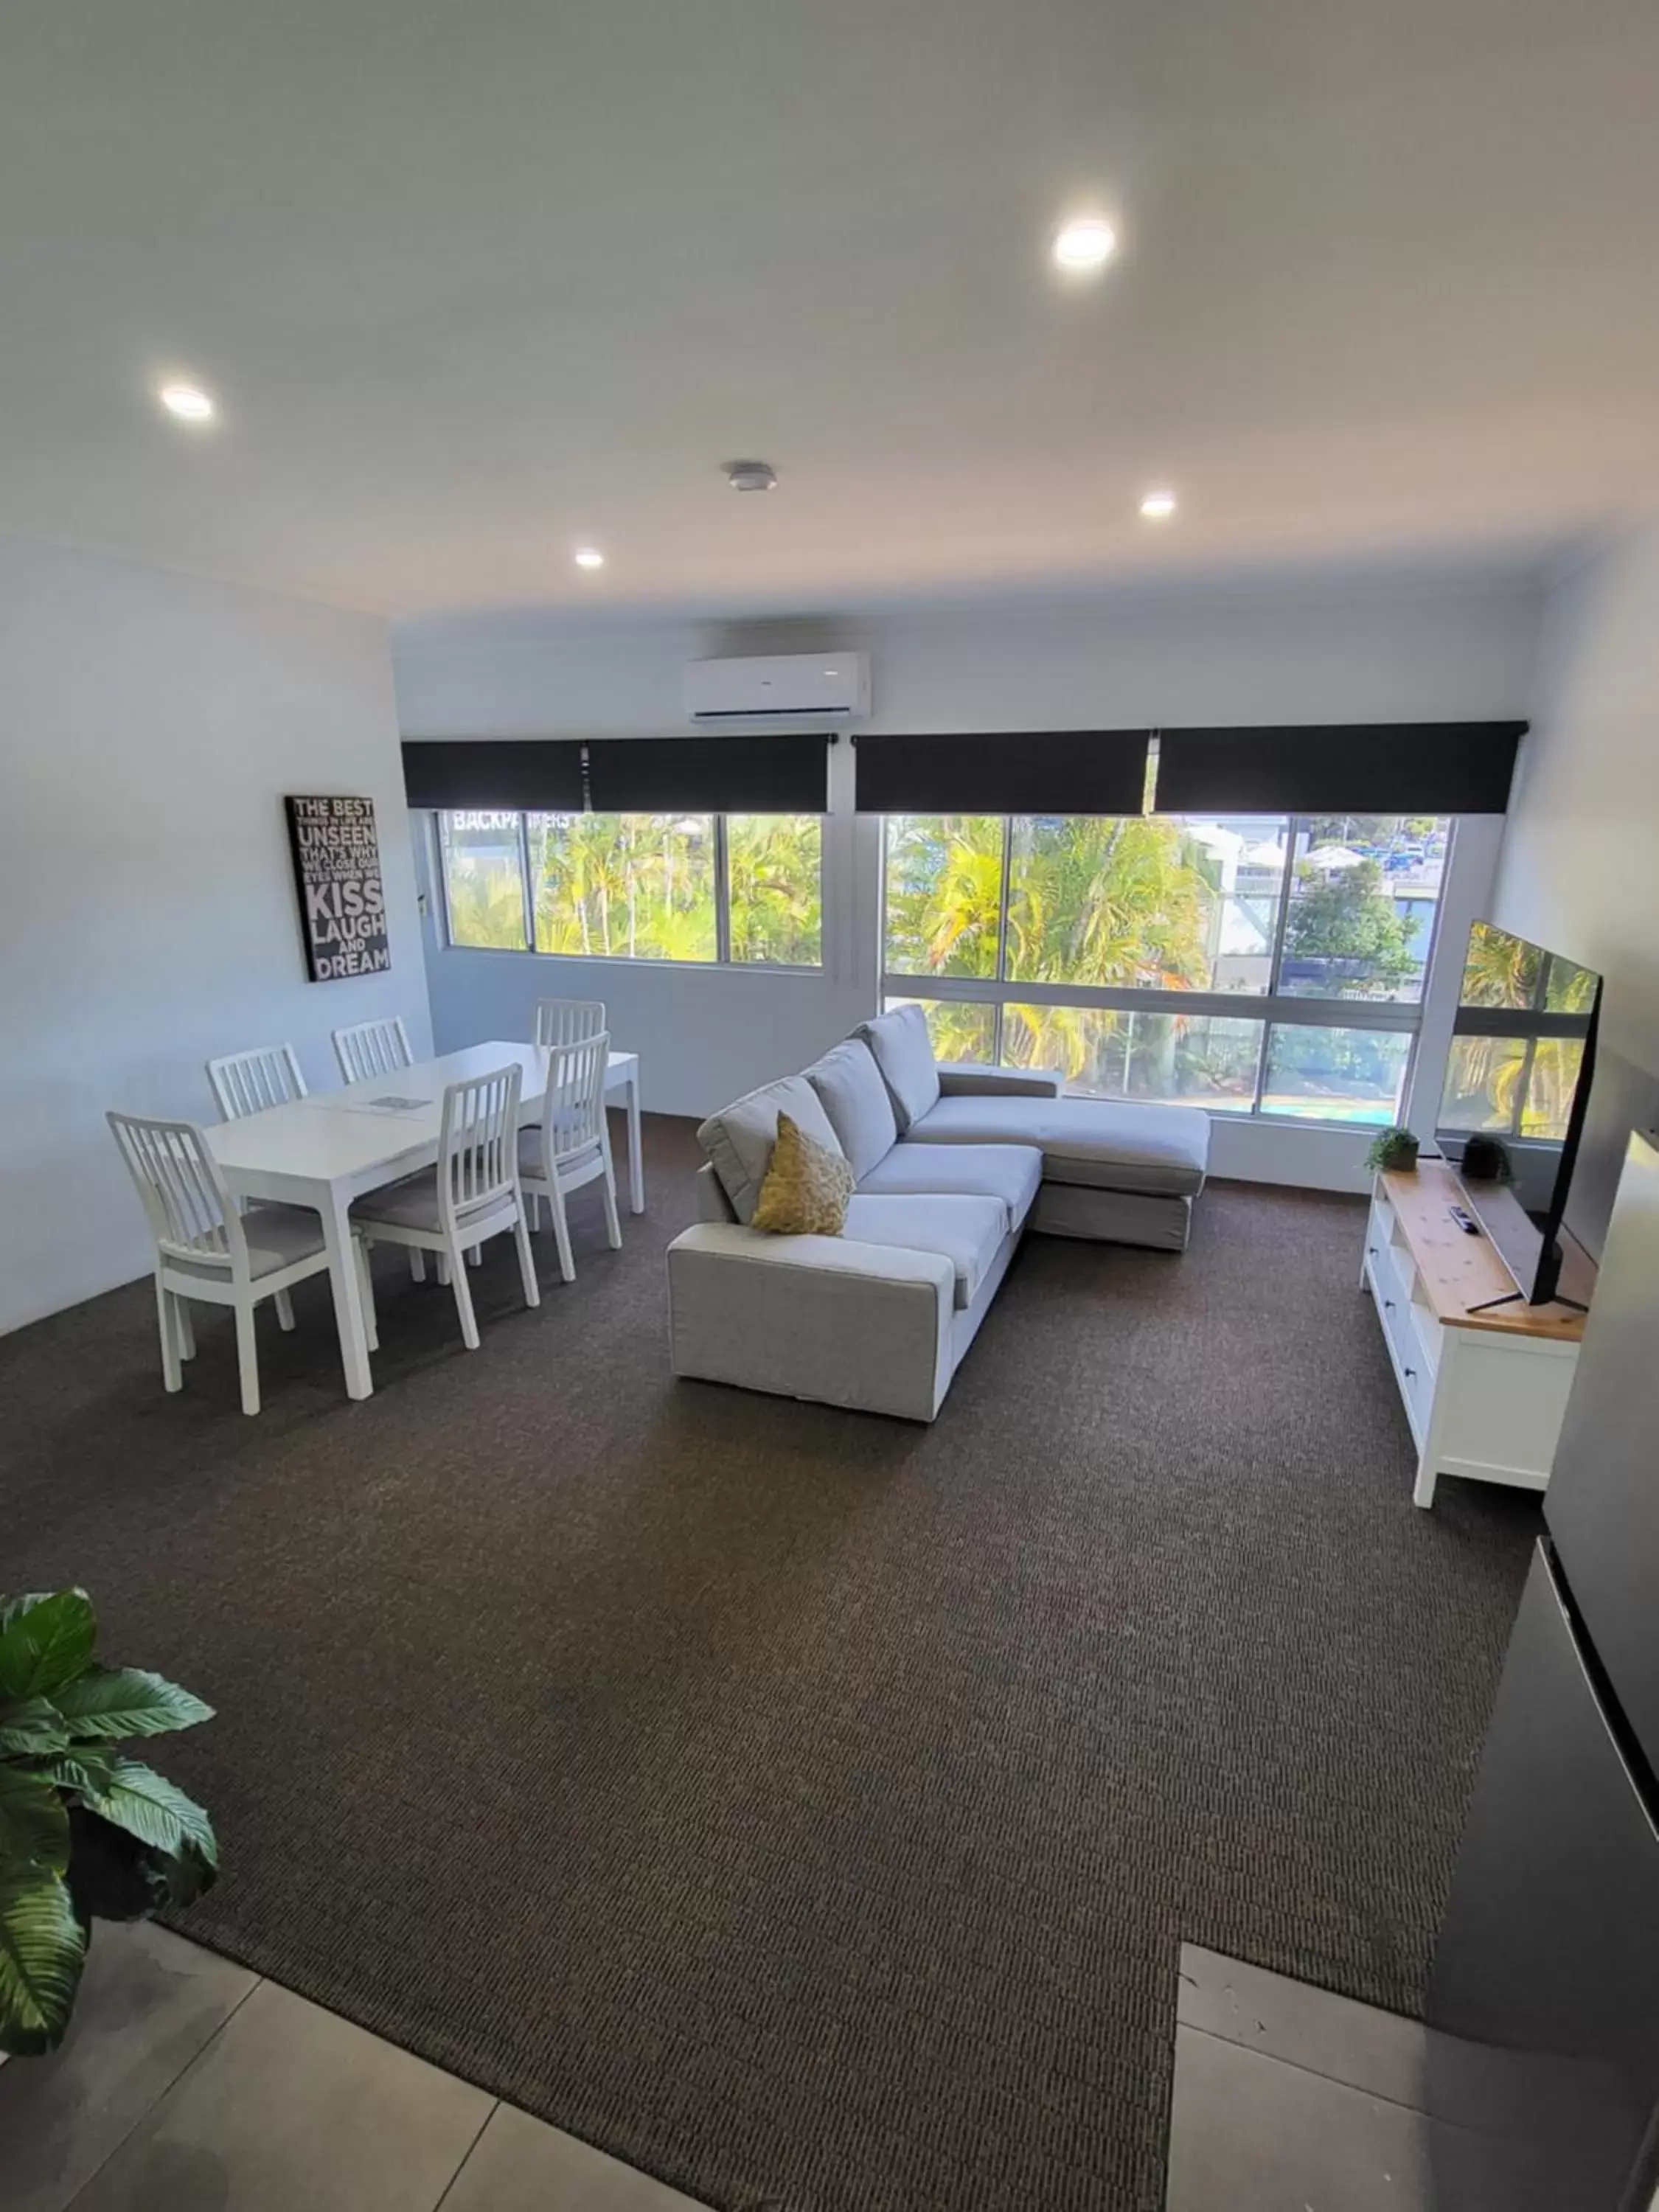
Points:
x=588 y=556
x=1158 y=506
x=188 y=402
x=1086 y=242
x=750 y=476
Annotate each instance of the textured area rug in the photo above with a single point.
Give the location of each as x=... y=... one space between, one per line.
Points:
x=796 y=1803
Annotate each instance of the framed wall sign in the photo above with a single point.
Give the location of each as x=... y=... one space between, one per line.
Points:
x=336 y=873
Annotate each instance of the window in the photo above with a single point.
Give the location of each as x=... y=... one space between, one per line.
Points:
x=1269 y=964
x=624 y=886
x=483 y=879
x=690 y=888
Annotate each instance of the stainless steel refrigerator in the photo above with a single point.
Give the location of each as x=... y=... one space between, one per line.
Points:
x=1546 y=1980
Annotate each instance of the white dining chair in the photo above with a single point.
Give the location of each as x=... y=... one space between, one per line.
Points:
x=571 y=1146
x=568 y=1021
x=366 y=1052
x=471 y=1194
x=369 y=1050
x=206 y=1250
x=248 y=1082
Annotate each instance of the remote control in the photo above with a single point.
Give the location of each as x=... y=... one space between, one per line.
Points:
x=1470 y=1227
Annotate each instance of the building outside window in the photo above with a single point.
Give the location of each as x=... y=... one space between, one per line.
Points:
x=1265 y=964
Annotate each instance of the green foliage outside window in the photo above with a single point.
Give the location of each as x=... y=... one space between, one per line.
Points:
x=624 y=886
x=636 y=886
x=773 y=867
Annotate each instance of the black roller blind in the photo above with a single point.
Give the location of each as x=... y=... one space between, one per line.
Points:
x=522 y=775
x=1339 y=768
x=1003 y=772
x=748 y=775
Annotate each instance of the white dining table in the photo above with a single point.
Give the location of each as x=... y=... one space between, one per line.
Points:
x=330 y=1149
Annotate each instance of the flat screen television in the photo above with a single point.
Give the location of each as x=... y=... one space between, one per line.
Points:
x=1516 y=1093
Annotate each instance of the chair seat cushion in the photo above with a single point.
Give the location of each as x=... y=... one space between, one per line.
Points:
x=278 y=1237
x=1011 y=1174
x=1111 y=1144
x=410 y=1204
x=967 y=1231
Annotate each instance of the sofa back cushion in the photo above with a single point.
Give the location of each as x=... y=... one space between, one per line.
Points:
x=738 y=1139
x=905 y=1054
x=851 y=1090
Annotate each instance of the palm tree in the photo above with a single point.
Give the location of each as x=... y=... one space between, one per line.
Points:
x=774 y=865
x=486 y=903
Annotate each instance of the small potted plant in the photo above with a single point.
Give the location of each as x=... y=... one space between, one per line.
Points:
x=85 y=1830
x=1393 y=1149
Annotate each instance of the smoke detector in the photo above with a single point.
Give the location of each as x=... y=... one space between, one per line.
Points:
x=750 y=476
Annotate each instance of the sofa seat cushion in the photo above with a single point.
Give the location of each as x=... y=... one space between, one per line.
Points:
x=738 y=1140
x=905 y=1054
x=1114 y=1144
x=1011 y=1174
x=850 y=1088
x=967 y=1231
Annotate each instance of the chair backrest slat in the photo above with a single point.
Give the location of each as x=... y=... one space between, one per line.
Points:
x=191 y=1213
x=478 y=1140
x=369 y=1050
x=568 y=1021
x=248 y=1082
x=573 y=1110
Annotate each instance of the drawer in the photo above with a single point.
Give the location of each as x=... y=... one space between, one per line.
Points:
x=1412 y=1370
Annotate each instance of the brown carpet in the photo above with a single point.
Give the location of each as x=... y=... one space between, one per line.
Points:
x=797 y=1803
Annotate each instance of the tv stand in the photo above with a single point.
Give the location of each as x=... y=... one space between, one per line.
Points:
x=1483 y=1375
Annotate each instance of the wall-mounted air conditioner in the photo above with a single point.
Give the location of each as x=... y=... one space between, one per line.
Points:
x=814 y=687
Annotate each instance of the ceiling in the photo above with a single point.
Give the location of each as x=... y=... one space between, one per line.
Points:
x=474 y=287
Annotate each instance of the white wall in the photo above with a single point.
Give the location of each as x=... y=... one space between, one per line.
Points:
x=1456 y=651
x=152 y=724
x=1579 y=870
x=1580 y=865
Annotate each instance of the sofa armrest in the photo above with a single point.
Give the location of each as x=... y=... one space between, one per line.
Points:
x=823 y=1317
x=957 y=1078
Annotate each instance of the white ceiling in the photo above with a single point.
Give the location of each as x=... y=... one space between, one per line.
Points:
x=476 y=285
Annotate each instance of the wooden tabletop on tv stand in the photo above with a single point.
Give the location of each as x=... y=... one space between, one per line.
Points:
x=1460 y=1272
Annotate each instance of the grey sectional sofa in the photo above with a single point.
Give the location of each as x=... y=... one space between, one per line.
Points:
x=952 y=1164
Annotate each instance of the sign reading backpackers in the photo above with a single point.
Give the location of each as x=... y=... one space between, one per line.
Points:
x=337 y=869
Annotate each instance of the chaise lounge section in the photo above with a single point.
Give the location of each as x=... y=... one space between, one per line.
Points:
x=952 y=1163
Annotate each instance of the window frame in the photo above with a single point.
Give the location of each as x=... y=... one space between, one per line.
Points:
x=722 y=961
x=1271 y=1008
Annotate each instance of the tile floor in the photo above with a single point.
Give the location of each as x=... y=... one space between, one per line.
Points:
x=1288 y=2098
x=187 y=2084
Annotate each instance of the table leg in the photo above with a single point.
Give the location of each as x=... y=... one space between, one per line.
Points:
x=348 y=1301
x=635 y=1162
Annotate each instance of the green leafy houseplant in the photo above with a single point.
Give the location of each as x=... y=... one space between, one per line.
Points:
x=84 y=1829
x=1395 y=1148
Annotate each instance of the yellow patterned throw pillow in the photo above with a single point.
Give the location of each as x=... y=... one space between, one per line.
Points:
x=806 y=1187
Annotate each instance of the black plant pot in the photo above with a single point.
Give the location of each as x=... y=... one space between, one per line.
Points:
x=111 y=1874
x=1484 y=1160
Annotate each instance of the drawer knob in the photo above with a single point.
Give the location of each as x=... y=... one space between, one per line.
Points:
x=1410 y=1374
x=1387 y=1305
